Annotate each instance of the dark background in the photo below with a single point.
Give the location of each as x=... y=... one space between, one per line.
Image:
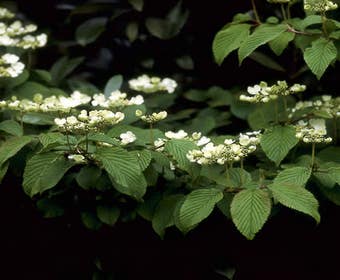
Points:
x=290 y=246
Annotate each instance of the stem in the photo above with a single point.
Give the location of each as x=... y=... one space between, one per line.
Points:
x=288 y=11
x=324 y=19
x=86 y=142
x=151 y=135
x=276 y=111
x=255 y=11
x=242 y=169
x=285 y=107
x=313 y=154
x=68 y=141
x=335 y=131
x=228 y=175
x=22 y=120
x=283 y=12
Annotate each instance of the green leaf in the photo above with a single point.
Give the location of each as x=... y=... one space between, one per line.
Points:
x=171 y=25
x=137 y=4
x=320 y=55
x=100 y=137
x=328 y=174
x=51 y=138
x=113 y=84
x=90 y=220
x=123 y=167
x=250 y=210
x=11 y=127
x=329 y=153
x=266 y=61
x=88 y=176
x=178 y=149
x=132 y=31
x=309 y=20
x=3 y=170
x=108 y=214
x=144 y=158
x=196 y=207
x=280 y=43
x=29 y=89
x=44 y=171
x=276 y=142
x=228 y=40
x=12 y=146
x=262 y=35
x=297 y=198
x=164 y=213
x=147 y=209
x=332 y=194
x=293 y=176
x=50 y=207
x=90 y=30
x=63 y=67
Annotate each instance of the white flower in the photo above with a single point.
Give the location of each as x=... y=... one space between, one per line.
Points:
x=181 y=134
x=77 y=158
x=202 y=141
x=60 y=122
x=127 y=137
x=148 y=84
x=10 y=58
x=254 y=90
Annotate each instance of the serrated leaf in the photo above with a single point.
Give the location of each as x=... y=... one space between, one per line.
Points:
x=329 y=153
x=90 y=30
x=328 y=174
x=11 y=127
x=250 y=210
x=262 y=35
x=143 y=157
x=297 y=198
x=123 y=167
x=63 y=67
x=108 y=214
x=280 y=43
x=44 y=171
x=88 y=176
x=164 y=213
x=332 y=194
x=320 y=55
x=308 y=21
x=113 y=84
x=12 y=146
x=47 y=139
x=266 y=61
x=276 y=142
x=294 y=176
x=228 y=40
x=196 y=207
x=178 y=149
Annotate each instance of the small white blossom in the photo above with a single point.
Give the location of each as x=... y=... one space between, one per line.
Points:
x=181 y=134
x=313 y=131
x=148 y=84
x=127 y=137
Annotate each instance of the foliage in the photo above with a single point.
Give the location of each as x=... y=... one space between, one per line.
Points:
x=129 y=150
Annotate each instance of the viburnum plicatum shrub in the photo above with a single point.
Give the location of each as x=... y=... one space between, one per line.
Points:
x=119 y=153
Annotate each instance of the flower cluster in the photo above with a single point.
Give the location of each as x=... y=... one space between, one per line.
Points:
x=88 y=121
x=313 y=131
x=231 y=151
x=49 y=104
x=264 y=93
x=10 y=66
x=148 y=84
x=196 y=137
x=327 y=105
x=77 y=158
x=153 y=118
x=127 y=138
x=18 y=35
x=5 y=13
x=319 y=6
x=116 y=99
